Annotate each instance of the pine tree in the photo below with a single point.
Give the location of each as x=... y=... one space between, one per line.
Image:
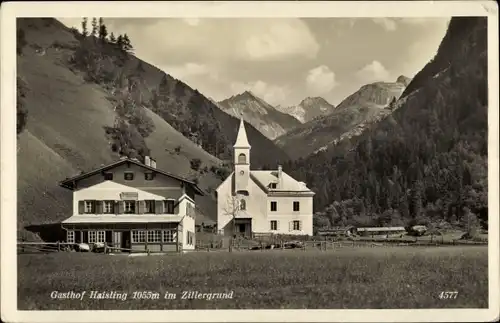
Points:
x=127 y=45
x=85 y=32
x=112 y=38
x=94 y=27
x=103 y=32
x=119 y=42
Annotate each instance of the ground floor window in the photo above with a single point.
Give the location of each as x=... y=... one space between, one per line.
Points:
x=274 y=225
x=154 y=236
x=96 y=236
x=138 y=236
x=190 y=238
x=70 y=236
x=169 y=235
x=296 y=225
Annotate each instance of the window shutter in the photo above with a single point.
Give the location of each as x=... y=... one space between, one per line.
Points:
x=300 y=225
x=290 y=226
x=120 y=207
x=81 y=207
x=141 y=206
x=158 y=207
x=99 y=207
x=270 y=225
x=277 y=225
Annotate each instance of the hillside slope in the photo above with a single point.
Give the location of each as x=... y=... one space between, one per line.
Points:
x=260 y=114
x=365 y=106
x=426 y=162
x=68 y=126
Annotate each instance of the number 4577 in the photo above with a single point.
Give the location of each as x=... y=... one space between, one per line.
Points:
x=448 y=295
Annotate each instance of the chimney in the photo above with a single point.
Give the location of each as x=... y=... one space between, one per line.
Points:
x=153 y=162
x=147 y=161
x=280 y=175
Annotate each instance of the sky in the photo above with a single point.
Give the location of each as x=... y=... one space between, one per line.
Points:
x=282 y=60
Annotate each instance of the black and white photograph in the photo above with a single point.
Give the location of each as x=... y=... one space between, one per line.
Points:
x=280 y=156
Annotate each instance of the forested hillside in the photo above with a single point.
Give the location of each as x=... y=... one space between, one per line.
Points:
x=85 y=100
x=425 y=163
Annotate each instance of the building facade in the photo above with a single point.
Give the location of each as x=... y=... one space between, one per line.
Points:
x=251 y=201
x=132 y=205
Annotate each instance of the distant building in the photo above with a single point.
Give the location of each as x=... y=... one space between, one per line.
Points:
x=337 y=231
x=262 y=201
x=380 y=231
x=132 y=205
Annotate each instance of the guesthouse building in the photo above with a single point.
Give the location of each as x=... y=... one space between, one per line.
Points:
x=132 y=205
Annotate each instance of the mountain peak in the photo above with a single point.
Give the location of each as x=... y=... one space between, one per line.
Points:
x=313 y=100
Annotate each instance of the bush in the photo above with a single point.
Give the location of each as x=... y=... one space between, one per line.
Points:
x=195 y=164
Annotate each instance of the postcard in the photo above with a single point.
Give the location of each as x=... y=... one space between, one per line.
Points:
x=250 y=161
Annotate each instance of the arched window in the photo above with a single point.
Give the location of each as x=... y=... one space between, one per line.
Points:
x=243 y=205
x=242 y=159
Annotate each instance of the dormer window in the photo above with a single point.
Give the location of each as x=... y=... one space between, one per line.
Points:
x=272 y=185
x=128 y=176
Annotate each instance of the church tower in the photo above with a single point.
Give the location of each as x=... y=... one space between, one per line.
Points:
x=241 y=155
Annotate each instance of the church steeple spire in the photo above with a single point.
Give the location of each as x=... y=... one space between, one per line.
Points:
x=241 y=139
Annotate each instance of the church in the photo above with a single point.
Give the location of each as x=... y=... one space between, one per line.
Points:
x=261 y=201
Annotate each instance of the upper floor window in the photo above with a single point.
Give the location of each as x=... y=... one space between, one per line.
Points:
x=149 y=176
x=169 y=206
x=243 y=205
x=296 y=206
x=242 y=159
x=150 y=206
x=129 y=207
x=108 y=176
x=274 y=206
x=272 y=185
x=128 y=176
x=108 y=207
x=89 y=206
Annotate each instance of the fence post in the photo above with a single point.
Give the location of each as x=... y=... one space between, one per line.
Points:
x=105 y=248
x=58 y=246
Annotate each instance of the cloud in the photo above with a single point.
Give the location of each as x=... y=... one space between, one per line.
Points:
x=389 y=24
x=279 y=38
x=272 y=94
x=374 y=72
x=320 y=80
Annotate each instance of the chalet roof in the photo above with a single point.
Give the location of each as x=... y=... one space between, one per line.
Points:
x=67 y=183
x=111 y=218
x=241 y=139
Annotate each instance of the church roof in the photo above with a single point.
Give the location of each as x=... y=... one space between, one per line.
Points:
x=241 y=139
x=288 y=183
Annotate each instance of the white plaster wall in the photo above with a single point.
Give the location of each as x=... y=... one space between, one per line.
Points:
x=109 y=190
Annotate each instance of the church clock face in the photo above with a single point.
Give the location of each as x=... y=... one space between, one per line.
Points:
x=242 y=172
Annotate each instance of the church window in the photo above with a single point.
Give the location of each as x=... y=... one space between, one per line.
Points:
x=274 y=206
x=243 y=205
x=242 y=159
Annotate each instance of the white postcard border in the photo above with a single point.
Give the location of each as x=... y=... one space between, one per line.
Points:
x=11 y=10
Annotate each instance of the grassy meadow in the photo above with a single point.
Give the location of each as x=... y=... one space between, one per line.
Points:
x=349 y=278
